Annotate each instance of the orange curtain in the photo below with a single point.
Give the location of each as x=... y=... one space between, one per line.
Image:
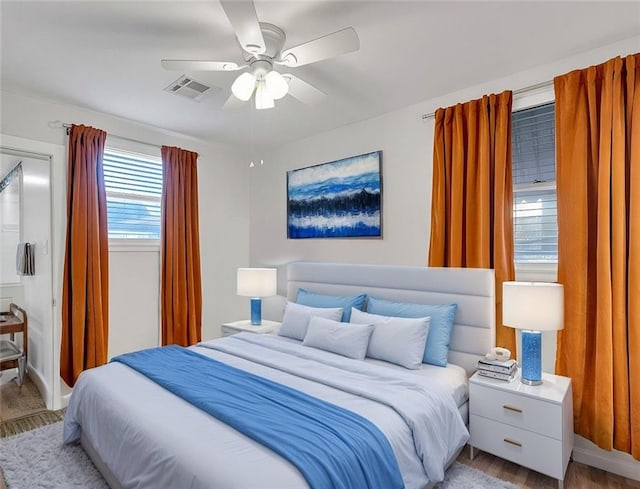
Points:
x=472 y=196
x=85 y=289
x=181 y=293
x=598 y=181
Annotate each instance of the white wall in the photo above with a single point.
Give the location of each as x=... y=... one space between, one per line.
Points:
x=224 y=221
x=10 y=293
x=407 y=145
x=134 y=281
x=406 y=142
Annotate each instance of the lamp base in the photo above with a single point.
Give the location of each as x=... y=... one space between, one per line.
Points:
x=256 y=311
x=530 y=382
x=531 y=373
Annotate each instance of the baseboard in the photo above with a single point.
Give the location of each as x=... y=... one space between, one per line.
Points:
x=41 y=385
x=613 y=461
x=64 y=400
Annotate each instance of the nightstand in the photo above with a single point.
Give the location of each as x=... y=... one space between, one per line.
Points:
x=531 y=425
x=267 y=327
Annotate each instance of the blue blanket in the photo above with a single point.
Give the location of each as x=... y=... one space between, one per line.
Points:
x=332 y=447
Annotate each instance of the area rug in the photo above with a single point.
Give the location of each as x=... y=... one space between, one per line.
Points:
x=461 y=476
x=37 y=458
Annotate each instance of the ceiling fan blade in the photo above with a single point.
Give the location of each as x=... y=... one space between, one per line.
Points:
x=233 y=103
x=195 y=65
x=244 y=20
x=329 y=46
x=303 y=91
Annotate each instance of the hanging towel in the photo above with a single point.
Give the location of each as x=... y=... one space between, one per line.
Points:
x=25 y=259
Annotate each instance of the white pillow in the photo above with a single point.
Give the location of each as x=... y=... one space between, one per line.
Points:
x=395 y=340
x=349 y=340
x=296 y=318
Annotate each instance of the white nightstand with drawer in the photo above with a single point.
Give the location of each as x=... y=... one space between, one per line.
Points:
x=267 y=327
x=531 y=425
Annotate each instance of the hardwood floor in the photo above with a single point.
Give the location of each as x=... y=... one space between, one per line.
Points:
x=579 y=476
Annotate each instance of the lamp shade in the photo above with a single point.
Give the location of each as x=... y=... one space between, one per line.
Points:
x=257 y=282
x=276 y=84
x=243 y=86
x=533 y=305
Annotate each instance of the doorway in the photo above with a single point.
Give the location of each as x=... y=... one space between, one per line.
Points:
x=26 y=269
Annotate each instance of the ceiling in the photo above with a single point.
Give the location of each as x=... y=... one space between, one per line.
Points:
x=106 y=55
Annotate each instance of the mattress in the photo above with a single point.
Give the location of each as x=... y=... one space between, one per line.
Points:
x=120 y=412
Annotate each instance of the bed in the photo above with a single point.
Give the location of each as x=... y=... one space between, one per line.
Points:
x=141 y=435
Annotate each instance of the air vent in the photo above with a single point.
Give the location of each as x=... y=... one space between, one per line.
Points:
x=187 y=87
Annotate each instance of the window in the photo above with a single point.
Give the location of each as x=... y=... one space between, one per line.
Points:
x=134 y=187
x=534 y=185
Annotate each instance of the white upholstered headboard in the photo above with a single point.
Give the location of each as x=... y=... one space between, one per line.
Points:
x=473 y=289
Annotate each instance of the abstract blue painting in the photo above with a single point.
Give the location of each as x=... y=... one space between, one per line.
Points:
x=341 y=199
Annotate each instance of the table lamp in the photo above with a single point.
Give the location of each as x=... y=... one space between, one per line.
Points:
x=532 y=307
x=257 y=283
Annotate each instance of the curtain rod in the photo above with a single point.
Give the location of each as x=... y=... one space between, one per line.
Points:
x=530 y=88
x=67 y=127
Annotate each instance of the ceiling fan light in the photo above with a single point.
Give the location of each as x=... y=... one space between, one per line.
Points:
x=276 y=84
x=264 y=100
x=243 y=86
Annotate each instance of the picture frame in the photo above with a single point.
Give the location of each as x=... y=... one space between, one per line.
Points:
x=337 y=199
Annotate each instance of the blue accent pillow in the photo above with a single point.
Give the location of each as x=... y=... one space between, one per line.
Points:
x=442 y=316
x=313 y=299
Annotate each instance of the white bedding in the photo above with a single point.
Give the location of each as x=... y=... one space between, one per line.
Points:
x=150 y=438
x=452 y=377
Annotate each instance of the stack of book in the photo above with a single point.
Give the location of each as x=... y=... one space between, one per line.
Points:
x=498 y=369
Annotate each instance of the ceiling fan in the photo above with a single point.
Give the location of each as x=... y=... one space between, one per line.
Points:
x=262 y=45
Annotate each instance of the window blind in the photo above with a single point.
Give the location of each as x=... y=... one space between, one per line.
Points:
x=534 y=175
x=133 y=184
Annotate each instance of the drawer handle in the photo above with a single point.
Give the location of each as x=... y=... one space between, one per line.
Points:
x=512 y=442
x=511 y=408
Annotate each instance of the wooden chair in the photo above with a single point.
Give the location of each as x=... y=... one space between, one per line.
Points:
x=11 y=355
